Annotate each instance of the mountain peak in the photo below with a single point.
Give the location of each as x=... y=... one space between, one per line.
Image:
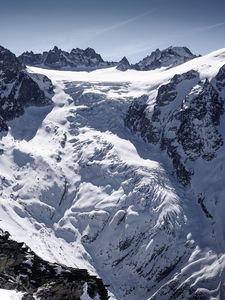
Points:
x=169 y=57
x=123 y=64
x=59 y=59
x=55 y=48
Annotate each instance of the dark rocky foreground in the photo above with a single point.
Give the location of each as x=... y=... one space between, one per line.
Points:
x=22 y=270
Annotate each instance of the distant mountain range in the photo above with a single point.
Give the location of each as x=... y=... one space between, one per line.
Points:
x=56 y=58
x=88 y=59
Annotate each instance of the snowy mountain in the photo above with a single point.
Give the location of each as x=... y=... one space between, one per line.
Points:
x=184 y=121
x=56 y=58
x=88 y=59
x=19 y=89
x=124 y=177
x=169 y=57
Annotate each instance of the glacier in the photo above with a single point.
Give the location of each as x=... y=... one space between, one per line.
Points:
x=81 y=190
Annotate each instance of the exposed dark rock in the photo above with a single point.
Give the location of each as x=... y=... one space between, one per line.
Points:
x=60 y=59
x=88 y=59
x=137 y=120
x=220 y=79
x=9 y=66
x=201 y=113
x=123 y=65
x=19 y=89
x=169 y=57
x=184 y=120
x=201 y=199
x=22 y=270
x=30 y=58
x=168 y=92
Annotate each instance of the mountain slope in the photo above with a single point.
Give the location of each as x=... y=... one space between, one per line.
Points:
x=19 y=89
x=80 y=189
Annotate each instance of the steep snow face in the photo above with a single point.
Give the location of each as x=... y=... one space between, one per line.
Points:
x=81 y=190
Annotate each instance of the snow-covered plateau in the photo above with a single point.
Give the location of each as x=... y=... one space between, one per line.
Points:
x=83 y=189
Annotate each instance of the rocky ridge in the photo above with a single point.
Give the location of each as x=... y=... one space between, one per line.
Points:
x=184 y=121
x=59 y=59
x=88 y=59
x=169 y=57
x=19 y=89
x=22 y=270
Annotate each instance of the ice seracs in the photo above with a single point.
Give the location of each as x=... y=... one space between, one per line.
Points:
x=84 y=188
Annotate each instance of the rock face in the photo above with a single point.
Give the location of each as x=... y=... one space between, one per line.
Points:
x=88 y=59
x=22 y=270
x=169 y=57
x=60 y=59
x=184 y=121
x=19 y=89
x=124 y=64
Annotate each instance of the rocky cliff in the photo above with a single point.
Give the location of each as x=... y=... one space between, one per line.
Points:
x=19 y=89
x=22 y=270
x=184 y=120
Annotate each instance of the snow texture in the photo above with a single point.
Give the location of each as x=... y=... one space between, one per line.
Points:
x=80 y=189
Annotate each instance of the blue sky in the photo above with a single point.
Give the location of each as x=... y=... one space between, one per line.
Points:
x=113 y=28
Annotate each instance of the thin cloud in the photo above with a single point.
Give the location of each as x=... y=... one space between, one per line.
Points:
x=209 y=27
x=120 y=24
x=123 y=23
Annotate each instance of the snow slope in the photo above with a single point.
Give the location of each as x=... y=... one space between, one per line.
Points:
x=81 y=190
x=10 y=295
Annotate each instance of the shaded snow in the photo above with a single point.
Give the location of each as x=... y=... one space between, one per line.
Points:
x=81 y=190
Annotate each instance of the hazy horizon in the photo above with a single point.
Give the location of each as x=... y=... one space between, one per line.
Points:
x=113 y=30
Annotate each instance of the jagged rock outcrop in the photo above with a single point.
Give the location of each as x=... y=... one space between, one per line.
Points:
x=22 y=270
x=184 y=121
x=60 y=59
x=19 y=89
x=123 y=64
x=88 y=59
x=219 y=80
x=169 y=57
x=31 y=59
